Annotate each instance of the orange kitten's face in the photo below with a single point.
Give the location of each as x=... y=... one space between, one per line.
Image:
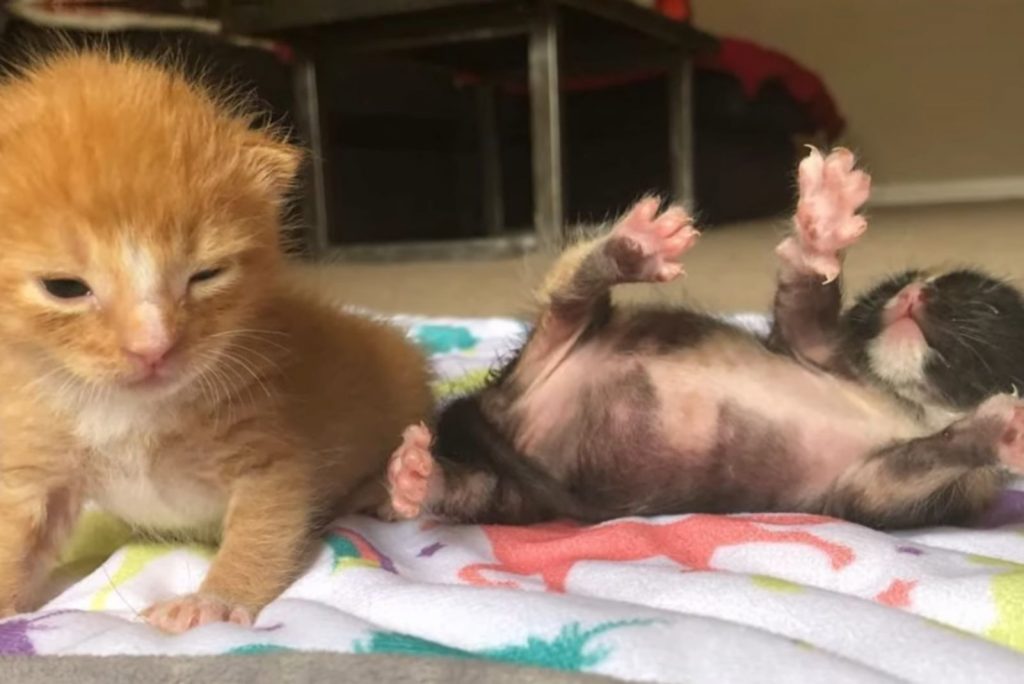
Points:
x=138 y=226
x=133 y=309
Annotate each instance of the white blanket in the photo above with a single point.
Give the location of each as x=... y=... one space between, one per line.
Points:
x=675 y=599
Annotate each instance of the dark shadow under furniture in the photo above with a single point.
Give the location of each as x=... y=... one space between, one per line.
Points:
x=485 y=41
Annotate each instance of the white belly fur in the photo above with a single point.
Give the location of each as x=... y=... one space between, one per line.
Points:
x=156 y=503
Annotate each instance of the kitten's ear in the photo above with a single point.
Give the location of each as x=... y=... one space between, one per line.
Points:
x=275 y=162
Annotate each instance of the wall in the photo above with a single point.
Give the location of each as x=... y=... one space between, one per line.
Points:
x=933 y=90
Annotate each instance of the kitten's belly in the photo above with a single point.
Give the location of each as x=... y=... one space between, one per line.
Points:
x=824 y=423
x=130 y=490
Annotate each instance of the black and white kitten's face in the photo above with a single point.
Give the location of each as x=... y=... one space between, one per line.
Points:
x=952 y=338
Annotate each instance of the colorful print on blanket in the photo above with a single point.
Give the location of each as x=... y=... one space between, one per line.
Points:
x=697 y=598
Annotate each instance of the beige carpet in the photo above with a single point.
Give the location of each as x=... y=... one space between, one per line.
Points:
x=732 y=268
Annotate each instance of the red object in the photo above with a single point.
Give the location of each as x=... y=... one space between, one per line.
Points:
x=674 y=9
x=754 y=66
x=751 y=64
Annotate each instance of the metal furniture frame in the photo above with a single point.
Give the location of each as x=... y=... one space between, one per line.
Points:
x=331 y=29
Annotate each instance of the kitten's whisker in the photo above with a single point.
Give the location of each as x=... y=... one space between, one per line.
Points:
x=239 y=361
x=218 y=382
x=221 y=387
x=273 y=365
x=255 y=331
x=34 y=383
x=224 y=366
x=977 y=354
x=117 y=592
x=204 y=389
x=941 y=358
x=257 y=335
x=221 y=371
x=204 y=378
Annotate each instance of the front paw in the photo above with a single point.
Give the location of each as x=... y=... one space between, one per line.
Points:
x=181 y=614
x=646 y=246
x=826 y=221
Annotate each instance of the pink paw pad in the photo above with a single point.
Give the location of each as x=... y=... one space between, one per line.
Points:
x=826 y=220
x=187 y=612
x=411 y=472
x=646 y=245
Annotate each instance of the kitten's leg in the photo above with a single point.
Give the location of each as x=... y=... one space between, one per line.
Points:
x=422 y=486
x=414 y=479
x=35 y=519
x=643 y=246
x=808 y=297
x=947 y=478
x=267 y=537
x=479 y=492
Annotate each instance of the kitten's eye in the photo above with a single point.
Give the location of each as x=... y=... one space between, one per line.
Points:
x=204 y=275
x=66 y=288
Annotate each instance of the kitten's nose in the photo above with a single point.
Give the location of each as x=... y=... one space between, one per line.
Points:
x=150 y=339
x=913 y=297
x=150 y=352
x=909 y=303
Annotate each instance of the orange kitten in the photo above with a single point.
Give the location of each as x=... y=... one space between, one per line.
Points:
x=152 y=359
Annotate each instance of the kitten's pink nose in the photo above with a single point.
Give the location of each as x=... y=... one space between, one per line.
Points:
x=150 y=353
x=150 y=339
x=909 y=303
x=913 y=297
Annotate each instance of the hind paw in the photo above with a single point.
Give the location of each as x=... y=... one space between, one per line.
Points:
x=826 y=220
x=646 y=245
x=1007 y=412
x=1011 y=442
x=412 y=474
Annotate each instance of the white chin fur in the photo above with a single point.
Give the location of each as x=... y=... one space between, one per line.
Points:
x=899 y=362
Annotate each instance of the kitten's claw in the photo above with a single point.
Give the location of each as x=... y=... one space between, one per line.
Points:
x=412 y=473
x=183 y=613
x=646 y=246
x=826 y=220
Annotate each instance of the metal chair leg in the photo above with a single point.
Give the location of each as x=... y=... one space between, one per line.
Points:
x=490 y=160
x=308 y=119
x=680 y=98
x=546 y=115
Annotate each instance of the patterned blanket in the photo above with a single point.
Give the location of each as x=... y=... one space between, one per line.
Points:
x=696 y=598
